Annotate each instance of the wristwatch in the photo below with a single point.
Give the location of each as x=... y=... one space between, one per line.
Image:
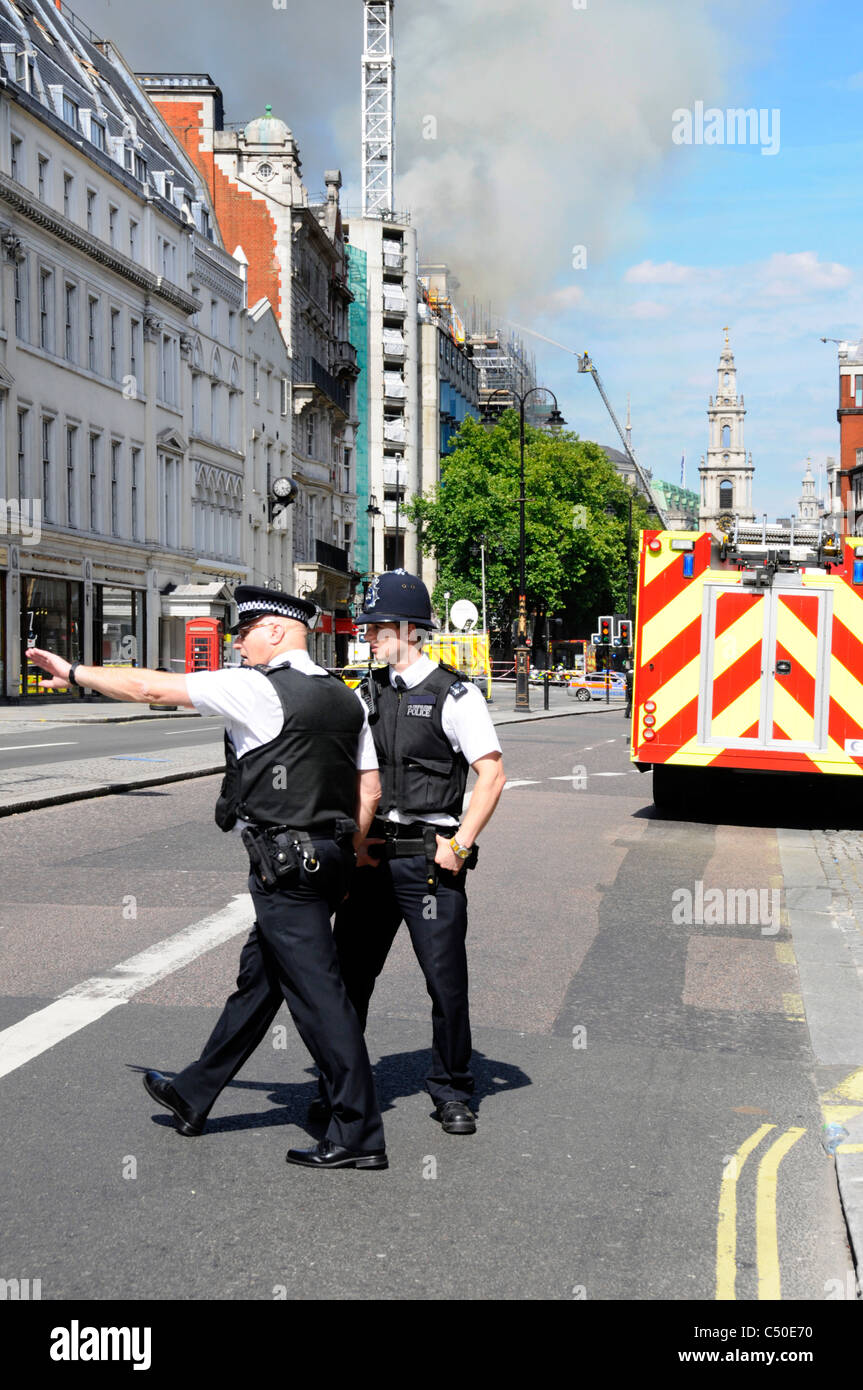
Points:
x=459 y=850
x=71 y=676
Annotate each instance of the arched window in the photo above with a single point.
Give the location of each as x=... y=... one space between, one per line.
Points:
x=726 y=495
x=726 y=379
x=726 y=436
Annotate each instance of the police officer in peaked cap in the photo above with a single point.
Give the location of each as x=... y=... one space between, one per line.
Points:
x=429 y=727
x=301 y=785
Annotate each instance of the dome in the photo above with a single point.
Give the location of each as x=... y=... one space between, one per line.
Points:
x=267 y=130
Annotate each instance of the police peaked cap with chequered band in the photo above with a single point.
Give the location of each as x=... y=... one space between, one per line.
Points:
x=254 y=602
x=397 y=597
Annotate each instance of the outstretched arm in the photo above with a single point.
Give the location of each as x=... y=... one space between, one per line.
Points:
x=121 y=683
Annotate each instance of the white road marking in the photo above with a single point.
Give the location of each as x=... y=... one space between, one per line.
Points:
x=17 y=747
x=606 y=774
x=94 y=998
x=507 y=785
x=177 y=733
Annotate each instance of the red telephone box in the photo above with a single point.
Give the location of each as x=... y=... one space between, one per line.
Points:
x=203 y=644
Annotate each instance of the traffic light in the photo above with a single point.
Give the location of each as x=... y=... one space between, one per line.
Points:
x=605 y=632
x=624 y=632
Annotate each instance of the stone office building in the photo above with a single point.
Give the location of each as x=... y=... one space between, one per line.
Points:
x=122 y=364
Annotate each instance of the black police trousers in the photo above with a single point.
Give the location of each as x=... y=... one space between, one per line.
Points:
x=381 y=898
x=290 y=955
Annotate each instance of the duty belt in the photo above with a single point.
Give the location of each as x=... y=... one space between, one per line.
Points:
x=409 y=841
x=278 y=850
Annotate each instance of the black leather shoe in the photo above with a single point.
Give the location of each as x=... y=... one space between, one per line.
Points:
x=160 y=1088
x=319 y=1110
x=326 y=1154
x=456 y=1117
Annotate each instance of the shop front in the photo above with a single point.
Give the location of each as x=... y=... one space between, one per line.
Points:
x=52 y=617
x=119 y=625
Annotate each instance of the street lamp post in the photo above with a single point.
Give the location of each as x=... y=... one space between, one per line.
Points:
x=522 y=654
x=372 y=510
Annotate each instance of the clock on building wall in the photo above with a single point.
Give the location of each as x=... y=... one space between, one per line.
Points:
x=265 y=172
x=725 y=522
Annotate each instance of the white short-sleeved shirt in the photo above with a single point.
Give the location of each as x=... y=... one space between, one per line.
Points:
x=466 y=722
x=252 y=710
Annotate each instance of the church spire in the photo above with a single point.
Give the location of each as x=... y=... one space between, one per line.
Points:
x=726 y=475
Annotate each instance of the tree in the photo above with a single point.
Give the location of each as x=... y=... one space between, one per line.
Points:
x=575 y=552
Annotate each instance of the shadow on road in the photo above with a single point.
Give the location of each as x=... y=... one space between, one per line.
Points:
x=770 y=800
x=397 y=1075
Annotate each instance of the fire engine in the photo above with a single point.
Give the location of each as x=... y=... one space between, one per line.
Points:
x=748 y=656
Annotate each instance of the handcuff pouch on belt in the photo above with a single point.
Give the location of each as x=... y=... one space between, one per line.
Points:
x=423 y=841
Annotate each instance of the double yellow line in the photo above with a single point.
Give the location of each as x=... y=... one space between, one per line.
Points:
x=766 y=1239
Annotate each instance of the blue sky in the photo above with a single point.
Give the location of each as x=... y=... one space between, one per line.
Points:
x=555 y=128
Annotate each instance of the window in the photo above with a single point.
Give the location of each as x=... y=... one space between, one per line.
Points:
x=42 y=177
x=95 y=445
x=115 y=484
x=858 y=391
x=134 y=345
x=214 y=411
x=113 y=216
x=726 y=495
x=97 y=134
x=133 y=238
x=169 y=500
x=726 y=436
x=232 y=328
x=134 y=465
x=140 y=169
x=71 y=113
x=92 y=333
x=23 y=452
x=214 y=318
x=71 y=464
x=168 y=374
x=92 y=197
x=167 y=258
x=256 y=385
x=16 y=158
x=68 y=187
x=47 y=458
x=233 y=420
x=196 y=402
x=310 y=436
x=115 y=344
x=21 y=300
x=46 y=310
x=285 y=396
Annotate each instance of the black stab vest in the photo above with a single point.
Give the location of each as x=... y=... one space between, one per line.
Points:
x=306 y=776
x=420 y=771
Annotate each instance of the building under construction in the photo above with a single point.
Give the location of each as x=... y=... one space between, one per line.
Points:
x=506 y=368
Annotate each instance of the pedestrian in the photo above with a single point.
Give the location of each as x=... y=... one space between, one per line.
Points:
x=629 y=677
x=429 y=726
x=301 y=785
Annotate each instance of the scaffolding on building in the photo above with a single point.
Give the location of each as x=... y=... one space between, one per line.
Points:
x=506 y=369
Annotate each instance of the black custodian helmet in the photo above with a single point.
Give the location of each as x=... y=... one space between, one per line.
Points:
x=397 y=597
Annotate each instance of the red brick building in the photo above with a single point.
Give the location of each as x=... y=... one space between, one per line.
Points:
x=850 y=417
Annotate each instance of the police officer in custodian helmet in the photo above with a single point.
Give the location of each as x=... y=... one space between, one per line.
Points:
x=429 y=726
x=301 y=785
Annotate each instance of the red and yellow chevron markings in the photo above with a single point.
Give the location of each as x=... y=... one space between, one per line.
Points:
x=669 y=657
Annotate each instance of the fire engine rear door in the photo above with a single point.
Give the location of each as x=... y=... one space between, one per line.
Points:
x=732 y=704
x=798 y=649
x=763 y=677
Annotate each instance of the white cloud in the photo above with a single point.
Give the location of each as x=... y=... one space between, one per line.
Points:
x=801 y=273
x=559 y=301
x=666 y=273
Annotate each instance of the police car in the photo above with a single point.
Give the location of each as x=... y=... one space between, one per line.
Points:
x=593 y=687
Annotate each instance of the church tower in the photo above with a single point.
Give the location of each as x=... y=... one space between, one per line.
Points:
x=726 y=475
x=807 y=507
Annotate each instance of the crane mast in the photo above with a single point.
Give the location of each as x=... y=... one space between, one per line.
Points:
x=378 y=109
